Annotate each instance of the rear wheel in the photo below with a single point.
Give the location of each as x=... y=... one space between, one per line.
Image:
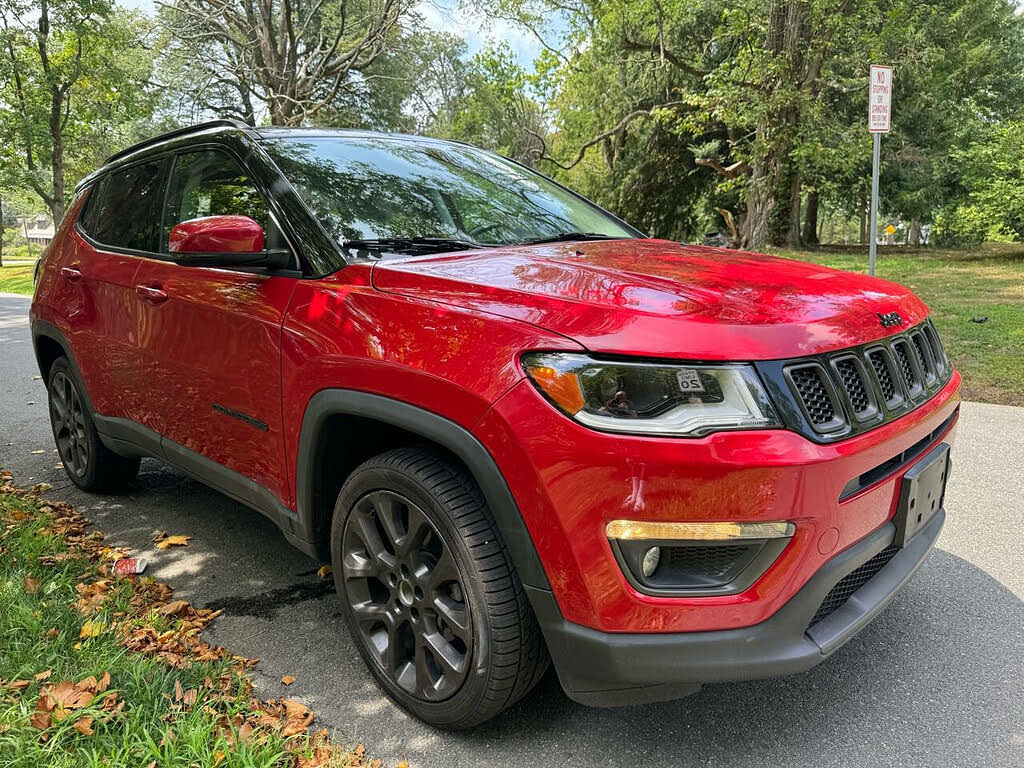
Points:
x=90 y=464
x=431 y=597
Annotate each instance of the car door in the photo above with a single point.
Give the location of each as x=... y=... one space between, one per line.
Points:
x=119 y=220
x=213 y=338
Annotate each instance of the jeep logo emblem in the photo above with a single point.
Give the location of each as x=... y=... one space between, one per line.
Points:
x=890 y=319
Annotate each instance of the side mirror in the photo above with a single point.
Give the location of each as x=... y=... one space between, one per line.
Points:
x=222 y=241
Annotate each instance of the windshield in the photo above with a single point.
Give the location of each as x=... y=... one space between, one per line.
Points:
x=370 y=188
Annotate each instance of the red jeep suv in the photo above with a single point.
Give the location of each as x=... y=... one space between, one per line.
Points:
x=521 y=431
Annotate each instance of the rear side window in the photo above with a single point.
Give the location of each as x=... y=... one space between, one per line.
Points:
x=123 y=209
x=212 y=183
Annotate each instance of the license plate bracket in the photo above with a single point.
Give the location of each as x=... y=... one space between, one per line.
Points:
x=922 y=492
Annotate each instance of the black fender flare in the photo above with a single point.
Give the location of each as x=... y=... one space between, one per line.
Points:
x=437 y=429
x=43 y=329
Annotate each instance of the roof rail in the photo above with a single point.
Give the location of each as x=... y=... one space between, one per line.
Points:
x=225 y=123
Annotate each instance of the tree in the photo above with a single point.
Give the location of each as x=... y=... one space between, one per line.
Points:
x=764 y=100
x=72 y=81
x=289 y=59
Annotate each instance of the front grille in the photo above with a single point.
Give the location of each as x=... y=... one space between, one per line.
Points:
x=906 y=368
x=856 y=389
x=938 y=354
x=813 y=393
x=923 y=357
x=881 y=369
x=711 y=562
x=850 y=583
x=854 y=386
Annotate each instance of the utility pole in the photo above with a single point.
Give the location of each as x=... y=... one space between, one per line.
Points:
x=879 y=122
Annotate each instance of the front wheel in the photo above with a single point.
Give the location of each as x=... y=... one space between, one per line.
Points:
x=429 y=591
x=90 y=464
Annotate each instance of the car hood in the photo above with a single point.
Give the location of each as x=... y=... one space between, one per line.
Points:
x=661 y=299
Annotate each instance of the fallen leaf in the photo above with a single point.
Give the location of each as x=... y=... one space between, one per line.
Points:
x=190 y=697
x=402 y=764
x=174 y=608
x=293 y=708
x=41 y=487
x=31 y=584
x=35 y=453
x=218 y=758
x=17 y=685
x=84 y=726
x=52 y=632
x=324 y=572
x=172 y=541
x=178 y=693
x=287 y=679
x=44 y=675
x=40 y=720
x=92 y=629
x=103 y=683
x=66 y=695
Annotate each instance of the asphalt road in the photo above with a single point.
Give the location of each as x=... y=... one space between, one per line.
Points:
x=936 y=680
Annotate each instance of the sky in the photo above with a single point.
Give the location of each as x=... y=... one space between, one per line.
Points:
x=447 y=15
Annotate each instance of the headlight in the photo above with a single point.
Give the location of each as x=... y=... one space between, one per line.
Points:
x=650 y=398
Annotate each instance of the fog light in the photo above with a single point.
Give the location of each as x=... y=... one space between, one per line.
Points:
x=650 y=562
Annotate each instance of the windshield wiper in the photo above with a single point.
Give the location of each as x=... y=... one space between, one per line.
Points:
x=411 y=244
x=563 y=237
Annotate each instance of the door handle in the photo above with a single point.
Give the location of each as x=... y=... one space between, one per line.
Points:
x=71 y=274
x=151 y=294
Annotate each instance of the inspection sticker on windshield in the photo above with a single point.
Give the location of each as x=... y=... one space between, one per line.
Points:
x=689 y=380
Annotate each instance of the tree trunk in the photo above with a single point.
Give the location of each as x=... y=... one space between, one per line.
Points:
x=863 y=220
x=773 y=197
x=915 y=233
x=1 y=233
x=811 y=219
x=793 y=233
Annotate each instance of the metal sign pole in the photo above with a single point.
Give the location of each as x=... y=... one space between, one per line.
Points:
x=879 y=122
x=874 y=202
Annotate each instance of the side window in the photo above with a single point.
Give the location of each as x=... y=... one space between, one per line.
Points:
x=211 y=183
x=123 y=209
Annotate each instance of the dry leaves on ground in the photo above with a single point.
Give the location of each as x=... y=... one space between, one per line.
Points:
x=177 y=647
x=62 y=700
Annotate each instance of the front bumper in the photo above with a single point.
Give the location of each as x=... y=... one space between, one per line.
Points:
x=613 y=669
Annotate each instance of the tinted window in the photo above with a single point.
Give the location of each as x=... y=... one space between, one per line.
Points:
x=376 y=187
x=212 y=183
x=123 y=209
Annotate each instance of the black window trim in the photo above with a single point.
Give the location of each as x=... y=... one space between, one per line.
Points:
x=169 y=156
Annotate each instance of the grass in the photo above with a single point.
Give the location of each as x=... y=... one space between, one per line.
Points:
x=959 y=286
x=182 y=703
x=16 y=278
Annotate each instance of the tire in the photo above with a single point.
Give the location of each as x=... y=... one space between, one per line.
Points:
x=411 y=535
x=87 y=462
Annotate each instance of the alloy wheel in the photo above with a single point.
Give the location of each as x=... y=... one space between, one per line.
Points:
x=404 y=589
x=68 y=418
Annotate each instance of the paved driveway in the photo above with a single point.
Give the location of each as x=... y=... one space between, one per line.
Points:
x=936 y=680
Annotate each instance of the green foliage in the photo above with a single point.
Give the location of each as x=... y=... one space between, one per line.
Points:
x=961 y=225
x=709 y=106
x=75 y=90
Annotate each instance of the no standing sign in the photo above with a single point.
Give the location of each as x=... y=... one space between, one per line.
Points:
x=879 y=122
x=880 y=99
